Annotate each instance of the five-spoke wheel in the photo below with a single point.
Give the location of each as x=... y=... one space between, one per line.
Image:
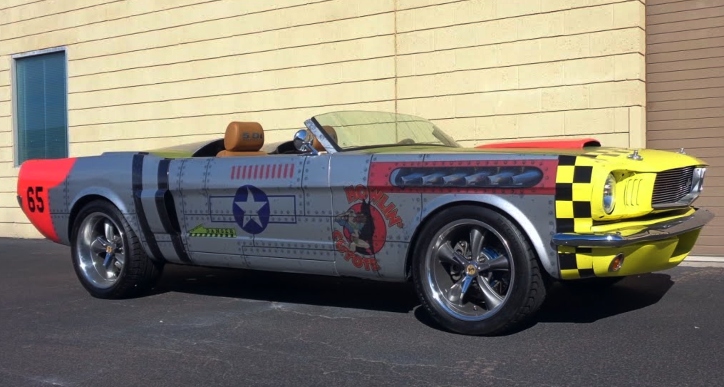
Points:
x=100 y=250
x=475 y=272
x=468 y=269
x=107 y=255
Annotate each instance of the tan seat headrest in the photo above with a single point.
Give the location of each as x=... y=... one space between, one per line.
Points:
x=330 y=132
x=243 y=137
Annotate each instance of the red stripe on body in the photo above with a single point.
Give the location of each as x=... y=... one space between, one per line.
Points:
x=379 y=176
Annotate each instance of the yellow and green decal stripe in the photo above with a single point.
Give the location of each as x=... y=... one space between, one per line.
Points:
x=208 y=232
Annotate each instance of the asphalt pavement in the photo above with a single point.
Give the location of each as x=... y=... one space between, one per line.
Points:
x=212 y=327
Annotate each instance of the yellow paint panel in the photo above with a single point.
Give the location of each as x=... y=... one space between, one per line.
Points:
x=639 y=259
x=582 y=192
x=564 y=209
x=582 y=225
x=565 y=174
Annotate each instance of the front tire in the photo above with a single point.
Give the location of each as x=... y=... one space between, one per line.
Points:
x=475 y=272
x=107 y=255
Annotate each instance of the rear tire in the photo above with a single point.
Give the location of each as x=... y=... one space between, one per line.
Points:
x=107 y=255
x=475 y=272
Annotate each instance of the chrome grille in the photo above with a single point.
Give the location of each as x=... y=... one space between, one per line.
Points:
x=673 y=185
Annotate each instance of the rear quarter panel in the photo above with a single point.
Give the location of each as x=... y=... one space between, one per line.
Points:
x=130 y=181
x=138 y=185
x=107 y=176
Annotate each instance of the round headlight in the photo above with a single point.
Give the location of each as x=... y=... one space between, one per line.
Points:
x=609 y=194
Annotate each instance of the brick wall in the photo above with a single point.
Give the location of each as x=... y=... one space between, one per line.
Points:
x=520 y=68
x=145 y=74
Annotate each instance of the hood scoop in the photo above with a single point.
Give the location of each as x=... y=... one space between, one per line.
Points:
x=578 y=143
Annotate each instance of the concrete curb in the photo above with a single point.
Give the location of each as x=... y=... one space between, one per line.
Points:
x=700 y=258
x=703 y=261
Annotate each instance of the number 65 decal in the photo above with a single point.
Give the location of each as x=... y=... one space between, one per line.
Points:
x=35 y=201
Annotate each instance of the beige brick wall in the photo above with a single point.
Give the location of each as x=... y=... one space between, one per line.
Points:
x=148 y=73
x=493 y=70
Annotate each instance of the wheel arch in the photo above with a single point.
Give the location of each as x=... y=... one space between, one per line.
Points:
x=495 y=203
x=91 y=194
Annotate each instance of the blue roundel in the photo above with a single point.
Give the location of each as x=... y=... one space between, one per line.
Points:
x=251 y=209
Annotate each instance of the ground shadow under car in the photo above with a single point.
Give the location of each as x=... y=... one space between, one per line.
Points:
x=289 y=288
x=563 y=304
x=568 y=305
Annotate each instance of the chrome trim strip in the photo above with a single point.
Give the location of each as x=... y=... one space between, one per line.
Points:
x=655 y=232
x=314 y=127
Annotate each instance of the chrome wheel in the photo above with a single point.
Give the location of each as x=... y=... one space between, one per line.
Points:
x=101 y=250
x=469 y=270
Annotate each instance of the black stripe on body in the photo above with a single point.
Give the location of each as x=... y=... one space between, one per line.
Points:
x=167 y=211
x=137 y=174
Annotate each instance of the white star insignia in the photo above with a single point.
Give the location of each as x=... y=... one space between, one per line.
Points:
x=251 y=209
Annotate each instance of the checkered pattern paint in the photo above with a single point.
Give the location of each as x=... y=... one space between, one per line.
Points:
x=574 y=191
x=573 y=194
x=575 y=262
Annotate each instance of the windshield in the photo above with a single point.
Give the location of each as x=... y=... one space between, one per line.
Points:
x=350 y=130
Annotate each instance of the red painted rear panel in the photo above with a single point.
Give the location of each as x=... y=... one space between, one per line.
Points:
x=36 y=179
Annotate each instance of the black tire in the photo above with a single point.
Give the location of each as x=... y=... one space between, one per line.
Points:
x=137 y=273
x=525 y=292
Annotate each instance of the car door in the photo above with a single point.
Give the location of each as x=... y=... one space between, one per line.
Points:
x=373 y=223
x=264 y=211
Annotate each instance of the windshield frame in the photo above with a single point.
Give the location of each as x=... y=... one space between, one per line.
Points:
x=315 y=127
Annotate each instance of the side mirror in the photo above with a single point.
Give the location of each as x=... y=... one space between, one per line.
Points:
x=303 y=142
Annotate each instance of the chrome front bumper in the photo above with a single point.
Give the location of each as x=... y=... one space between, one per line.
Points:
x=656 y=232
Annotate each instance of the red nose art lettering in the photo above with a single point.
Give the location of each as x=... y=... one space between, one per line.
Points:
x=379 y=199
x=359 y=261
x=35 y=180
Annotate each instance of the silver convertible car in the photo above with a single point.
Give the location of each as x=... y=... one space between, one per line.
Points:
x=481 y=232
